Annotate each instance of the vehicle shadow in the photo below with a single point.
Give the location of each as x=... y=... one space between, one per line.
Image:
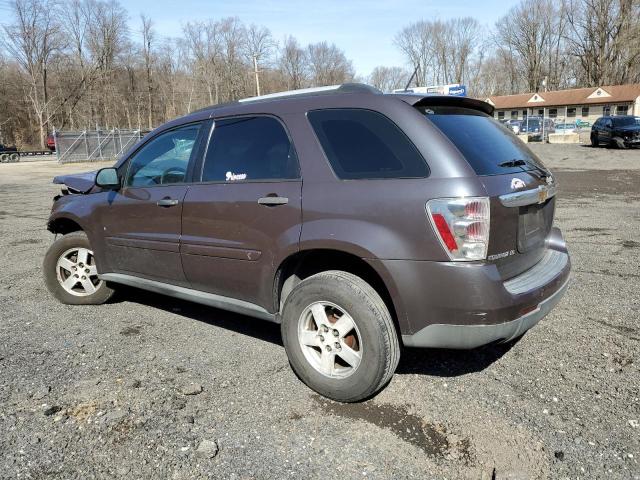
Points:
x=431 y=362
x=451 y=363
x=242 y=324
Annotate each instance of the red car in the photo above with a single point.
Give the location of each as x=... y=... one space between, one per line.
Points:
x=51 y=142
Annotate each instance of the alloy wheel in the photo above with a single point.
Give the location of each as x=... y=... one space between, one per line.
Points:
x=330 y=339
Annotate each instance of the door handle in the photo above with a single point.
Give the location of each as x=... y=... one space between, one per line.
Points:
x=167 y=202
x=272 y=201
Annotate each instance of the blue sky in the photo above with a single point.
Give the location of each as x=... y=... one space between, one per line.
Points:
x=364 y=29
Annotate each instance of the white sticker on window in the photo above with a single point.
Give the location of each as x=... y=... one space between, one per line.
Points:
x=236 y=176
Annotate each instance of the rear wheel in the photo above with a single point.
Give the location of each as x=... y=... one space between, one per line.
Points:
x=70 y=272
x=339 y=336
x=14 y=157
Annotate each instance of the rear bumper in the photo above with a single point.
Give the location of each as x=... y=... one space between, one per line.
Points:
x=472 y=336
x=465 y=305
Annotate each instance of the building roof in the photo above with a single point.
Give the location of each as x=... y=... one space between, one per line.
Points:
x=577 y=96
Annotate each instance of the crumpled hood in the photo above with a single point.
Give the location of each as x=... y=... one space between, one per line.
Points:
x=80 y=182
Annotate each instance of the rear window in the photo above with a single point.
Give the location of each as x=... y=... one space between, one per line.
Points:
x=363 y=144
x=626 y=121
x=488 y=147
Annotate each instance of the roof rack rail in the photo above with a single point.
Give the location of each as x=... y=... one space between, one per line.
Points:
x=344 y=88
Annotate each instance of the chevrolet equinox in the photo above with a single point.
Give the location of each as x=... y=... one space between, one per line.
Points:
x=359 y=221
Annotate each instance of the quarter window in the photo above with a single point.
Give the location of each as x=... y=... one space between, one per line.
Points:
x=249 y=148
x=163 y=160
x=365 y=144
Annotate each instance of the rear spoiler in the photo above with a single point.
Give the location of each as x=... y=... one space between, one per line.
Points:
x=417 y=100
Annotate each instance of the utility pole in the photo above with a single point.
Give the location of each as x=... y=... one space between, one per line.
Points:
x=256 y=71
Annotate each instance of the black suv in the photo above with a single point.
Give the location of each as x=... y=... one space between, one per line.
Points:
x=621 y=132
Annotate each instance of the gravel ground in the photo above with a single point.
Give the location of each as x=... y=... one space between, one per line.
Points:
x=152 y=387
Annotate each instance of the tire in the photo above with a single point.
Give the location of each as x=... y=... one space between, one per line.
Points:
x=594 y=141
x=69 y=257
x=619 y=143
x=14 y=158
x=372 y=338
x=4 y=158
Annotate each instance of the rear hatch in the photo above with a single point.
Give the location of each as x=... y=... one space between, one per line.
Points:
x=520 y=188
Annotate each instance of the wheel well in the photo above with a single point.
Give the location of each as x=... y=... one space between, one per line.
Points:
x=63 y=226
x=304 y=264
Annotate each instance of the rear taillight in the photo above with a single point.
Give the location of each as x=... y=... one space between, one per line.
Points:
x=462 y=225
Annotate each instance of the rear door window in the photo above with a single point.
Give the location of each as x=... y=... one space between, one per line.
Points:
x=489 y=149
x=249 y=149
x=363 y=144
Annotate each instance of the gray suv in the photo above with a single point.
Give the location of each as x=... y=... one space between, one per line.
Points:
x=359 y=221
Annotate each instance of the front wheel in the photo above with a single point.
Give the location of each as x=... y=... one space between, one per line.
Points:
x=70 y=272
x=619 y=143
x=339 y=336
x=594 y=141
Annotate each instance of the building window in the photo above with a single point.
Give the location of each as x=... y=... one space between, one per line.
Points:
x=553 y=113
x=606 y=110
x=622 y=110
x=571 y=112
x=524 y=114
x=514 y=114
x=541 y=112
x=500 y=115
x=585 y=111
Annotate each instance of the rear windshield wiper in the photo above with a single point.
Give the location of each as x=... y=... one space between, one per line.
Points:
x=518 y=162
x=513 y=163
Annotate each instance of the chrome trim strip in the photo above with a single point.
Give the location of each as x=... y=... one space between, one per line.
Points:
x=529 y=197
x=549 y=267
x=204 y=298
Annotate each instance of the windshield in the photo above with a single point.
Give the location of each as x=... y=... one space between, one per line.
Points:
x=626 y=121
x=489 y=148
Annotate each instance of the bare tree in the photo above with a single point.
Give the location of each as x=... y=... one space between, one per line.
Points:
x=293 y=63
x=441 y=52
x=416 y=42
x=388 y=79
x=531 y=31
x=604 y=37
x=33 y=40
x=328 y=65
x=260 y=46
x=148 y=37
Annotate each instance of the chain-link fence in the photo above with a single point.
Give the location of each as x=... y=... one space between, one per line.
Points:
x=94 y=145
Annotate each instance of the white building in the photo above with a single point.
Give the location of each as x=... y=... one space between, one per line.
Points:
x=585 y=104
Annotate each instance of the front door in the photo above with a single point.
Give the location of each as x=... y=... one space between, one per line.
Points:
x=142 y=221
x=244 y=216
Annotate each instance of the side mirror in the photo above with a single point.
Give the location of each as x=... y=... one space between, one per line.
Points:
x=108 y=178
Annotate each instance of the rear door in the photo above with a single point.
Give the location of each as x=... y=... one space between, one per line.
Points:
x=141 y=222
x=244 y=216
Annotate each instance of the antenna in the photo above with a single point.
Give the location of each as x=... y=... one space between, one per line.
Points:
x=411 y=78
